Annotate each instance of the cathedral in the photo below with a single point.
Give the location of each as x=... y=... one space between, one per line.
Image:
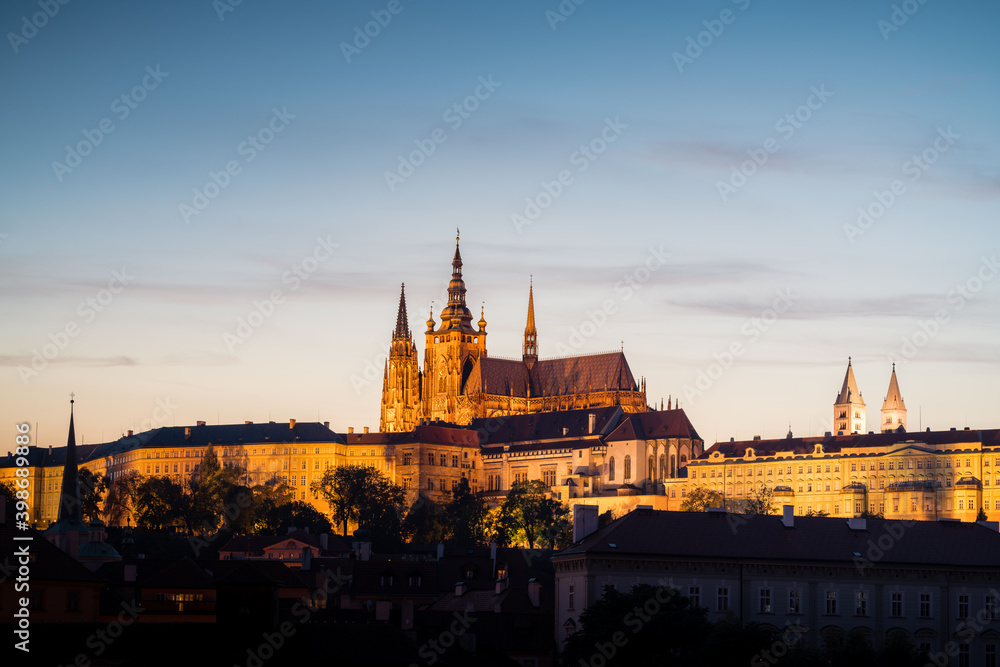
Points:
x=459 y=382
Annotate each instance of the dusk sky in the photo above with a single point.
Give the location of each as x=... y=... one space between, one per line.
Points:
x=670 y=171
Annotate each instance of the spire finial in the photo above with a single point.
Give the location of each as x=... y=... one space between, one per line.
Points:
x=894 y=367
x=72 y=397
x=848 y=361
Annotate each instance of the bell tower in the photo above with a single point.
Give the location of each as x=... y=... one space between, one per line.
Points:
x=849 y=409
x=401 y=378
x=893 y=408
x=451 y=352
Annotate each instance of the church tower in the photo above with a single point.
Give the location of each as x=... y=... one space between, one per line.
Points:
x=401 y=379
x=530 y=354
x=849 y=410
x=450 y=354
x=893 y=408
x=69 y=531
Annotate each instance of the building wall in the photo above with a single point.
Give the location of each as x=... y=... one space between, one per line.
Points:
x=849 y=482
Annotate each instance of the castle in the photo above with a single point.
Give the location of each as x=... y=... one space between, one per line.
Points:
x=460 y=382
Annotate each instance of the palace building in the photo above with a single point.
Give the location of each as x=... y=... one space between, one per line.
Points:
x=460 y=382
x=899 y=475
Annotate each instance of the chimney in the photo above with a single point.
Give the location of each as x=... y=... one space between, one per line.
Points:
x=200 y=423
x=584 y=521
x=788 y=516
x=130 y=573
x=591 y=420
x=350 y=429
x=366 y=429
x=291 y=423
x=306 y=558
x=324 y=541
x=534 y=588
x=501 y=585
x=460 y=589
x=857 y=523
x=50 y=450
x=326 y=424
x=187 y=432
x=130 y=433
x=440 y=550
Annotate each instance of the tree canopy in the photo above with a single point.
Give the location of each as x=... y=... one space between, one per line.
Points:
x=364 y=496
x=530 y=514
x=700 y=499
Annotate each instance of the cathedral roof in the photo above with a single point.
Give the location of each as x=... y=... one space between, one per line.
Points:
x=562 y=425
x=654 y=425
x=849 y=392
x=893 y=399
x=552 y=377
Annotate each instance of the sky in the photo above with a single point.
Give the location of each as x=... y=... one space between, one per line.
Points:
x=207 y=208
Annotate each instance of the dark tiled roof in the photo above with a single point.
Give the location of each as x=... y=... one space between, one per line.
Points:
x=552 y=377
x=546 y=425
x=174 y=436
x=433 y=434
x=826 y=539
x=50 y=563
x=368 y=578
x=837 y=443
x=653 y=425
x=184 y=573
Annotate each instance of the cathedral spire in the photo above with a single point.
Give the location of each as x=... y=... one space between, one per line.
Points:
x=530 y=354
x=849 y=409
x=69 y=496
x=456 y=314
x=893 y=408
x=402 y=325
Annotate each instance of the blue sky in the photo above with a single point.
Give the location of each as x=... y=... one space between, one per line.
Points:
x=646 y=110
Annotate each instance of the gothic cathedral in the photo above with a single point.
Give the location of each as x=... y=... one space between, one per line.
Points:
x=460 y=382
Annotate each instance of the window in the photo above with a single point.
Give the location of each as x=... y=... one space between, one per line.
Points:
x=925 y=605
x=861 y=603
x=694 y=594
x=430 y=458
x=896 y=610
x=611 y=469
x=991 y=655
x=406 y=484
x=72 y=601
x=407 y=458
x=441 y=484
x=454 y=460
x=572 y=596
x=443 y=460
x=963 y=655
x=723 y=599
x=628 y=469
x=430 y=484
x=991 y=607
x=765 y=600
x=549 y=477
x=831 y=603
x=854 y=467
x=793 y=601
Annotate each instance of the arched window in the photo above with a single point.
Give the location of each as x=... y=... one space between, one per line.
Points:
x=673 y=466
x=628 y=468
x=651 y=471
x=611 y=469
x=663 y=466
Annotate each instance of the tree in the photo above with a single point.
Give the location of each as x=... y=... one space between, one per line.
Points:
x=466 y=516
x=295 y=514
x=363 y=495
x=981 y=515
x=700 y=499
x=759 y=501
x=425 y=522
x=92 y=488
x=121 y=499
x=158 y=503
x=531 y=511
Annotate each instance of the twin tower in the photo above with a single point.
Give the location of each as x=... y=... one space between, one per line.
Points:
x=459 y=382
x=849 y=408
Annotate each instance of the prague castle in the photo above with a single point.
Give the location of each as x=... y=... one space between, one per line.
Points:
x=460 y=382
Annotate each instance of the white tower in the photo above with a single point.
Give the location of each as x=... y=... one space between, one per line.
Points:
x=849 y=410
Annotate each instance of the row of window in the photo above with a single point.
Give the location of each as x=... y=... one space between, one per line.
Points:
x=910 y=464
